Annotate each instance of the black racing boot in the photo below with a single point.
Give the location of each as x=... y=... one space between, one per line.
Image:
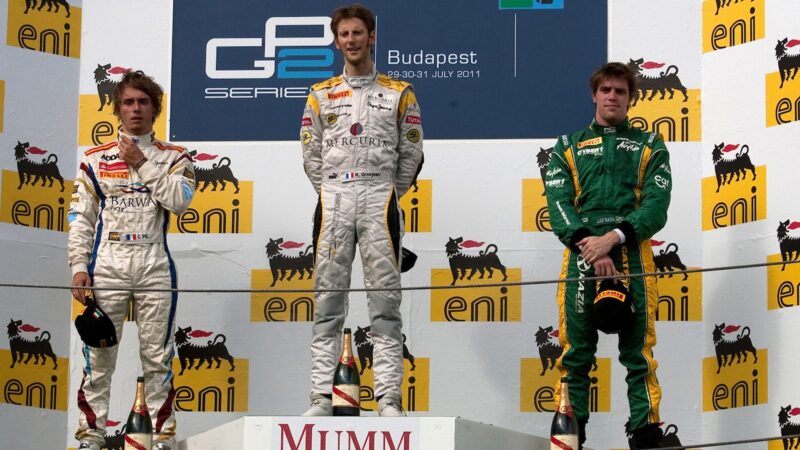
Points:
x=648 y=436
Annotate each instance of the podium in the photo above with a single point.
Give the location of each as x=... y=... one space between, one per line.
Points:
x=360 y=433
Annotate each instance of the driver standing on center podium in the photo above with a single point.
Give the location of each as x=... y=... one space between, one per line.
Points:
x=362 y=149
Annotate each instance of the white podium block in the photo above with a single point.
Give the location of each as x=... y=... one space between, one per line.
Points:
x=361 y=433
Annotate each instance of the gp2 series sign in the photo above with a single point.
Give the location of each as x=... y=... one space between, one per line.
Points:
x=241 y=70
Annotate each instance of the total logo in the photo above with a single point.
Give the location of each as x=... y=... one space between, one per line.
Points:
x=298 y=57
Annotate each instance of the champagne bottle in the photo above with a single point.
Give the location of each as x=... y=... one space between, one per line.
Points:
x=346 y=382
x=564 y=430
x=139 y=429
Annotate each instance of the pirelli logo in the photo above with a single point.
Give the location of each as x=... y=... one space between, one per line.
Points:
x=335 y=95
x=588 y=142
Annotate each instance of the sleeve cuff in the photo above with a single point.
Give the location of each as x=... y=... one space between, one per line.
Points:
x=577 y=236
x=620 y=234
x=79 y=267
x=627 y=229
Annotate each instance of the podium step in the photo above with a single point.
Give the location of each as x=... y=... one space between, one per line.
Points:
x=360 y=433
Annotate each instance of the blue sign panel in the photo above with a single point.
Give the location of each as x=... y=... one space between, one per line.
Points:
x=241 y=69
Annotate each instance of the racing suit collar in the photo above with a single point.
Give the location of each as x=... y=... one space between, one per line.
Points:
x=145 y=139
x=602 y=129
x=356 y=81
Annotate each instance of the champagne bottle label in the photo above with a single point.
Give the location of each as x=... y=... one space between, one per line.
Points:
x=138 y=441
x=346 y=395
x=564 y=442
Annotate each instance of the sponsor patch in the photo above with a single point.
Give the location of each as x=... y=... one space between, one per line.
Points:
x=113 y=236
x=306 y=122
x=343 y=94
x=114 y=166
x=305 y=137
x=588 y=142
x=331 y=118
x=413 y=135
x=416 y=120
x=188 y=173
x=104 y=174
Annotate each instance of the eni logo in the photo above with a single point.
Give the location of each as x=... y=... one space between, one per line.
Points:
x=55 y=30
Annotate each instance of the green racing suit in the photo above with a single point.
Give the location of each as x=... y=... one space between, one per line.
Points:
x=600 y=179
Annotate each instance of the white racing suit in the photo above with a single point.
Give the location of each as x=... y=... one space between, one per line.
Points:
x=119 y=218
x=362 y=148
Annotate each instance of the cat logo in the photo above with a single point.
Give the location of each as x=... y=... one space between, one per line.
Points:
x=737 y=376
x=97 y=124
x=738 y=192
x=539 y=377
x=290 y=271
x=331 y=118
x=226 y=208
x=679 y=297
x=416 y=375
x=655 y=106
x=203 y=381
x=39 y=199
x=30 y=372
x=783 y=280
x=783 y=87
x=727 y=24
x=55 y=30
x=417 y=205
x=470 y=270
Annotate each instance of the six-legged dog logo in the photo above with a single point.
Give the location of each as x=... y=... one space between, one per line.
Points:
x=789 y=241
x=281 y=264
x=37 y=348
x=31 y=4
x=651 y=77
x=364 y=345
x=789 y=427
x=787 y=52
x=735 y=346
x=730 y=160
x=31 y=172
x=460 y=263
x=105 y=83
x=193 y=356
x=218 y=172
x=667 y=259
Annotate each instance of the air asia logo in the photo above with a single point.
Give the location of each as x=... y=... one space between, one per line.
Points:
x=738 y=191
x=417 y=206
x=472 y=264
x=783 y=87
x=783 y=286
x=34 y=376
x=221 y=209
x=789 y=423
x=539 y=377
x=97 y=124
x=535 y=216
x=656 y=108
x=38 y=199
x=53 y=30
x=416 y=375
x=204 y=382
x=727 y=23
x=679 y=298
x=737 y=375
x=291 y=266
